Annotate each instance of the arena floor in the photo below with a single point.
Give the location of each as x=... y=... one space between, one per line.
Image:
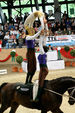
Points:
x=20 y=77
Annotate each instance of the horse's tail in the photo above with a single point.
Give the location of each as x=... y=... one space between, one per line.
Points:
x=2 y=86
x=1 y=89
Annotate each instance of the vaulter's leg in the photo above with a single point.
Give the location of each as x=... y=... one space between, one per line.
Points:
x=27 y=78
x=42 y=75
x=31 y=65
x=31 y=76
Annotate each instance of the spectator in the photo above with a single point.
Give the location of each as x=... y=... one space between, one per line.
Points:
x=6 y=28
x=68 y=23
x=59 y=32
x=69 y=31
x=54 y=28
x=1 y=35
x=10 y=43
x=50 y=47
x=57 y=22
x=63 y=25
x=16 y=31
x=21 y=26
x=49 y=25
x=64 y=31
x=6 y=38
x=65 y=15
x=17 y=37
x=5 y=18
x=12 y=36
x=58 y=26
x=14 y=43
x=20 y=41
x=1 y=27
x=23 y=36
x=17 y=19
x=25 y=16
x=11 y=20
x=11 y=26
x=73 y=25
x=0 y=31
x=50 y=34
x=73 y=33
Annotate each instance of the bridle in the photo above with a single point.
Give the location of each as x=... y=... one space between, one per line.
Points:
x=71 y=88
x=61 y=94
x=72 y=93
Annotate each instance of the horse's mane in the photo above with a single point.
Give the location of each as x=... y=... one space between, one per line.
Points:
x=62 y=79
x=53 y=82
x=2 y=85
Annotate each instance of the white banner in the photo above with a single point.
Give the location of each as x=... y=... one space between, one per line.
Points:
x=73 y=37
x=61 y=38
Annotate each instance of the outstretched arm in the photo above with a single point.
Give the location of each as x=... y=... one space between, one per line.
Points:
x=34 y=36
x=42 y=22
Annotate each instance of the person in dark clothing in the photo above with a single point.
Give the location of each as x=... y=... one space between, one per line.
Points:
x=11 y=20
x=5 y=18
x=31 y=66
x=65 y=15
x=31 y=59
x=43 y=72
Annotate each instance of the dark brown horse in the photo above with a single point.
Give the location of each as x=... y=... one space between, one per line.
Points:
x=10 y=96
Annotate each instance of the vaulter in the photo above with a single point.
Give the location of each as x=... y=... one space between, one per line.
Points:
x=31 y=59
x=43 y=49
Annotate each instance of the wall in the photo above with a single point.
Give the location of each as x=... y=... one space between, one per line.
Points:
x=5 y=52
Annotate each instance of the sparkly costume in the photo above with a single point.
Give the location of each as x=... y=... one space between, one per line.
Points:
x=43 y=68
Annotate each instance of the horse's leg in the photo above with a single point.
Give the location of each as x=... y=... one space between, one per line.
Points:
x=43 y=111
x=14 y=107
x=3 y=108
x=57 y=111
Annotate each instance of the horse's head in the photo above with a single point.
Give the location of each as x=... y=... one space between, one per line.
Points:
x=71 y=92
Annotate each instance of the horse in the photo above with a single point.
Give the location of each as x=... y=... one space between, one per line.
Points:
x=51 y=97
x=71 y=92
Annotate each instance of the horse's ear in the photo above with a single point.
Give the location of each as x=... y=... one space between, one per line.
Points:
x=3 y=85
x=70 y=90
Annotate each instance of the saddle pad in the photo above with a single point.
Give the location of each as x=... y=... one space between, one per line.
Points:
x=25 y=89
x=35 y=89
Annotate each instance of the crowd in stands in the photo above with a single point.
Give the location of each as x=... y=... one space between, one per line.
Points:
x=12 y=33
